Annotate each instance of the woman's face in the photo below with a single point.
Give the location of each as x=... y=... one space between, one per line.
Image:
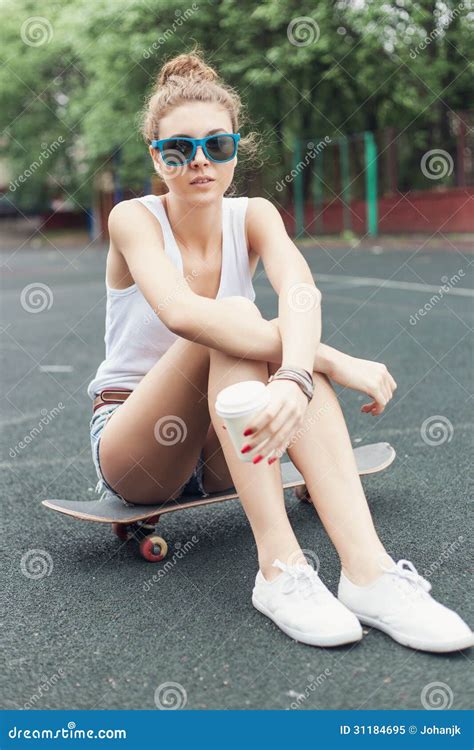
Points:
x=195 y=120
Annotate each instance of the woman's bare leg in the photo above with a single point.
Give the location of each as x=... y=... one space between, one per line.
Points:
x=176 y=386
x=259 y=487
x=322 y=452
x=151 y=443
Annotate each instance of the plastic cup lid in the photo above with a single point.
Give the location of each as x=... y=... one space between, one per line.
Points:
x=240 y=398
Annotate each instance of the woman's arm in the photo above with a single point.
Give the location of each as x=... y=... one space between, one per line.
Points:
x=215 y=323
x=296 y=338
x=299 y=301
x=137 y=235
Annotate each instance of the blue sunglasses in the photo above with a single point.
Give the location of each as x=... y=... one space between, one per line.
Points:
x=176 y=152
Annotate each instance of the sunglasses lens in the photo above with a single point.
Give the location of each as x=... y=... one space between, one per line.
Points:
x=176 y=152
x=221 y=147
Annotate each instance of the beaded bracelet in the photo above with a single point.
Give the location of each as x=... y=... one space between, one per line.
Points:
x=302 y=377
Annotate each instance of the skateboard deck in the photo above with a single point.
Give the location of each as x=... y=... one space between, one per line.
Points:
x=127 y=518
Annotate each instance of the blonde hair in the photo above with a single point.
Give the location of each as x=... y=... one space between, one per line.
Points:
x=188 y=78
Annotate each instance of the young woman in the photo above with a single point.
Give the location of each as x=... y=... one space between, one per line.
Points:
x=181 y=325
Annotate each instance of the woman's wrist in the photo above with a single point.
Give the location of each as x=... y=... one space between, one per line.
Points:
x=326 y=359
x=303 y=378
x=332 y=360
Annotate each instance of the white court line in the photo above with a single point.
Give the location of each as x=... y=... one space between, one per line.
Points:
x=406 y=285
x=391 y=432
x=18 y=419
x=56 y=368
x=333 y=287
x=35 y=463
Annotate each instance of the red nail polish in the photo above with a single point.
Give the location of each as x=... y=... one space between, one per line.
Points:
x=248 y=432
x=246 y=449
x=272 y=460
x=257 y=459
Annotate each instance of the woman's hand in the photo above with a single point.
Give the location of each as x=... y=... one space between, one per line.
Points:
x=273 y=427
x=371 y=378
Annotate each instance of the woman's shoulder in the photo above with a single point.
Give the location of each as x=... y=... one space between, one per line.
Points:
x=132 y=224
x=133 y=206
x=252 y=205
x=121 y=213
x=262 y=203
x=261 y=212
x=124 y=215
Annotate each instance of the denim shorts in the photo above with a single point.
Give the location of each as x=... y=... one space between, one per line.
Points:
x=193 y=486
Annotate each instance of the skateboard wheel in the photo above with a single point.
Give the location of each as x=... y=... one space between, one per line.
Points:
x=302 y=494
x=121 y=530
x=153 y=548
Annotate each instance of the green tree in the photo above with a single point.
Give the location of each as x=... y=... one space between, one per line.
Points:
x=81 y=72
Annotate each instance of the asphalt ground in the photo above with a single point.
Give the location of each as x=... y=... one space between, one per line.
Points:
x=86 y=626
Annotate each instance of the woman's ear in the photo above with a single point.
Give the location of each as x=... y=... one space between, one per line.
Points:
x=155 y=159
x=156 y=165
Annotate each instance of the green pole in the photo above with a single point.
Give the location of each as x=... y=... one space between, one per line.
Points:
x=299 y=189
x=318 y=197
x=345 y=178
x=371 y=183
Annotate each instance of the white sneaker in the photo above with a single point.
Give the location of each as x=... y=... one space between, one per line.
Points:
x=301 y=605
x=399 y=603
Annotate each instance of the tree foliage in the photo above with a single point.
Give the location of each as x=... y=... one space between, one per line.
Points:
x=353 y=65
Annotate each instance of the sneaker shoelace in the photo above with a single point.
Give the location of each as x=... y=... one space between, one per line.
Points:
x=411 y=581
x=304 y=578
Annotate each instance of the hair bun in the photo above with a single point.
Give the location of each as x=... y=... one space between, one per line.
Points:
x=187 y=66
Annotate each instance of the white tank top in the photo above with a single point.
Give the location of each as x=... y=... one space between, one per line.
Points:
x=135 y=337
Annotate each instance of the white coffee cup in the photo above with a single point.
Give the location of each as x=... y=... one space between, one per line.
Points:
x=236 y=405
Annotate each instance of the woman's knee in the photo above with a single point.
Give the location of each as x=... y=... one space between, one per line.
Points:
x=240 y=306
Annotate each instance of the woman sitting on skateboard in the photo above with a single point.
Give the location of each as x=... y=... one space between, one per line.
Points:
x=182 y=325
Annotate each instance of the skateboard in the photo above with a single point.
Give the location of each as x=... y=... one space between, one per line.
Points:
x=139 y=522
